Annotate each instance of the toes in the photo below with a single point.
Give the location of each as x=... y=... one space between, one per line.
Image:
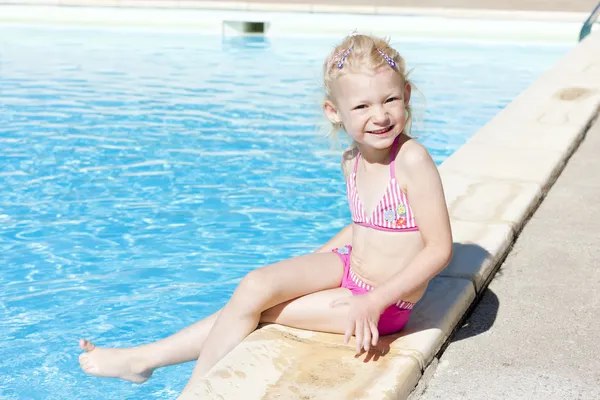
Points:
x=86 y=364
x=86 y=345
x=89 y=369
x=84 y=361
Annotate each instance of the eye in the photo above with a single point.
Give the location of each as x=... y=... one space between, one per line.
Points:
x=360 y=107
x=392 y=99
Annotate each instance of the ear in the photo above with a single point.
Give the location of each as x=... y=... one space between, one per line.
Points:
x=407 y=92
x=331 y=112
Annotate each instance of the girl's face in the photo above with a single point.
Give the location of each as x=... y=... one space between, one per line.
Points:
x=371 y=105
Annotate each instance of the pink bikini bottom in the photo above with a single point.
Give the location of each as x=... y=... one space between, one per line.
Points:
x=393 y=318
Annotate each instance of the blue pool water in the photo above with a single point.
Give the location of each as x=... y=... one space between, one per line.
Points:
x=142 y=175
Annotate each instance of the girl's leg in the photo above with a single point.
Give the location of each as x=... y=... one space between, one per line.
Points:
x=260 y=290
x=137 y=364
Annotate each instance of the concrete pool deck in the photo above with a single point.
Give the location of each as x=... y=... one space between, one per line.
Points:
x=493 y=184
x=344 y=6
x=535 y=327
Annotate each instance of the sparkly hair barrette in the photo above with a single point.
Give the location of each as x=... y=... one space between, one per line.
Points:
x=387 y=58
x=341 y=57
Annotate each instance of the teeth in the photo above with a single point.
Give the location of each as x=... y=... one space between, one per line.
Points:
x=381 y=130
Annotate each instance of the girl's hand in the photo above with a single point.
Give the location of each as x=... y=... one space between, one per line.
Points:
x=363 y=317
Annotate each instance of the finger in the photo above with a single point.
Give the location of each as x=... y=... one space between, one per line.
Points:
x=375 y=332
x=349 y=332
x=367 y=337
x=358 y=332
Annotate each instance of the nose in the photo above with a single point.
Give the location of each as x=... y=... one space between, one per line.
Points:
x=380 y=116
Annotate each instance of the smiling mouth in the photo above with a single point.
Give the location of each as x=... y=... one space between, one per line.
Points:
x=382 y=130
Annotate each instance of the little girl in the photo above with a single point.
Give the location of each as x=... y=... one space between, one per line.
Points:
x=365 y=280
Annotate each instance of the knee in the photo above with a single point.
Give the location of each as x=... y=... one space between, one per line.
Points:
x=254 y=291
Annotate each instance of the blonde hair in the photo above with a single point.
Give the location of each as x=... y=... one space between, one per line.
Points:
x=355 y=53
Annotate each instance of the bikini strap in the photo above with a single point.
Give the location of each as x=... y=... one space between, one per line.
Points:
x=356 y=163
x=393 y=159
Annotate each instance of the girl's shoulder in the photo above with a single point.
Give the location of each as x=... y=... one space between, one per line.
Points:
x=412 y=154
x=413 y=163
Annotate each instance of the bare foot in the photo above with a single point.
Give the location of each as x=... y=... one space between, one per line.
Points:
x=113 y=363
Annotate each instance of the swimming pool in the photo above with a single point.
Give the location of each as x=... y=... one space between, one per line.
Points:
x=143 y=175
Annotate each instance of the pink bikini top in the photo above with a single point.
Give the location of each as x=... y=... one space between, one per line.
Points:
x=393 y=213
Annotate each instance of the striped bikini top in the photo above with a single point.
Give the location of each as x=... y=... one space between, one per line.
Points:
x=393 y=213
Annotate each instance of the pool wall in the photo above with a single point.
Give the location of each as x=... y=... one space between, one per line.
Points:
x=493 y=184
x=300 y=19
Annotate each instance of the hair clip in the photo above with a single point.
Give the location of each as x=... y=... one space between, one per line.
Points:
x=342 y=59
x=387 y=58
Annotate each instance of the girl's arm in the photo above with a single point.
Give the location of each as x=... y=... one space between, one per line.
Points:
x=426 y=196
x=342 y=238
